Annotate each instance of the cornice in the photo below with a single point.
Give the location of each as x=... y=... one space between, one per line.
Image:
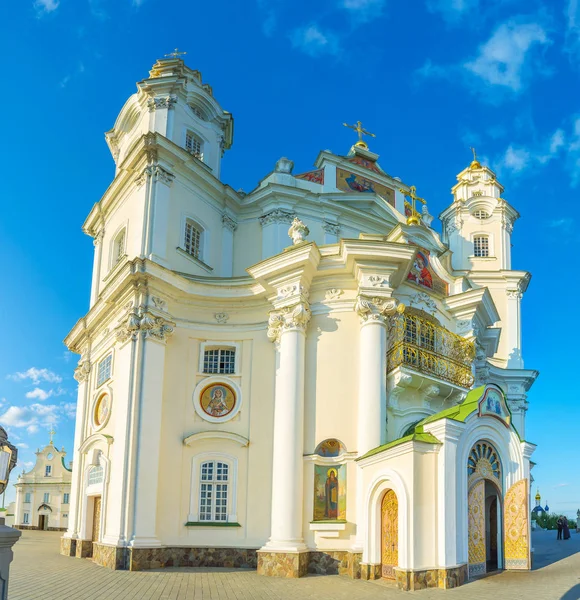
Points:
x=467 y=305
x=201 y=436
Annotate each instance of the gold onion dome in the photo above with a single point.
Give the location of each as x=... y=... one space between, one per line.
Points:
x=538 y=497
x=475 y=164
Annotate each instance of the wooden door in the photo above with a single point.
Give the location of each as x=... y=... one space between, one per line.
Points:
x=476 y=529
x=389 y=534
x=96 y=518
x=42 y=524
x=517 y=526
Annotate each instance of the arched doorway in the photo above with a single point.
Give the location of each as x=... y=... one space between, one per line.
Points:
x=485 y=514
x=389 y=534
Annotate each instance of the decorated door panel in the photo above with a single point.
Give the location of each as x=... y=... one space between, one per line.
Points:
x=476 y=529
x=517 y=526
x=389 y=534
x=96 y=518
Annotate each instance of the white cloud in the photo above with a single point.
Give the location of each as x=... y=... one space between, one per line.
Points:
x=453 y=10
x=70 y=409
x=515 y=159
x=572 y=14
x=22 y=445
x=36 y=376
x=504 y=59
x=557 y=141
x=46 y=6
x=313 y=41
x=39 y=394
x=364 y=10
x=36 y=415
x=560 y=485
x=32 y=429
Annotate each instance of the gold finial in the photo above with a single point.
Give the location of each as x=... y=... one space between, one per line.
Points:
x=414 y=218
x=359 y=129
x=175 y=54
x=51 y=433
x=475 y=164
x=538 y=497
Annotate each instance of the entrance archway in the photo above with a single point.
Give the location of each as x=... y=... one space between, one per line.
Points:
x=389 y=534
x=485 y=514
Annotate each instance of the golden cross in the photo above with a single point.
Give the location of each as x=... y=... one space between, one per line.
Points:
x=175 y=54
x=474 y=153
x=51 y=433
x=414 y=219
x=359 y=129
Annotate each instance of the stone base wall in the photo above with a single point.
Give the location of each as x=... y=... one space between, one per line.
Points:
x=36 y=528
x=431 y=578
x=370 y=572
x=68 y=547
x=338 y=562
x=112 y=557
x=84 y=549
x=283 y=564
x=139 y=559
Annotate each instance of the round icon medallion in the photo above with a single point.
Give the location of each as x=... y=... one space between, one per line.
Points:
x=218 y=400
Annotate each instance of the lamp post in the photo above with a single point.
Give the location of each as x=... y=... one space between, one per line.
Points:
x=8 y=535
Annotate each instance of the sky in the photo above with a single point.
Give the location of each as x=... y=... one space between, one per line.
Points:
x=430 y=78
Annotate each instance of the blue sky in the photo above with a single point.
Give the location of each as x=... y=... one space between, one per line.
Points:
x=429 y=77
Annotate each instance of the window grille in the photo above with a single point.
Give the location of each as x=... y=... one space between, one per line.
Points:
x=192 y=239
x=27 y=498
x=481 y=215
x=119 y=247
x=25 y=518
x=481 y=245
x=47 y=471
x=193 y=145
x=65 y=498
x=96 y=475
x=104 y=370
x=46 y=497
x=219 y=360
x=213 y=491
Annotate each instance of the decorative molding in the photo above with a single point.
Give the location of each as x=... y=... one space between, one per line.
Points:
x=293 y=290
x=333 y=294
x=96 y=437
x=514 y=294
x=229 y=223
x=98 y=237
x=141 y=321
x=288 y=318
x=82 y=371
x=422 y=298
x=378 y=281
x=157 y=173
x=376 y=309
x=216 y=435
x=278 y=215
x=158 y=302
x=298 y=231
x=331 y=228
x=464 y=325
x=221 y=317
x=167 y=102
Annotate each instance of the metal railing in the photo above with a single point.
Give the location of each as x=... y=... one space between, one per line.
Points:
x=429 y=348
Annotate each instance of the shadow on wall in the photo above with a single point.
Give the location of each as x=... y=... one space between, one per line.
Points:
x=572 y=593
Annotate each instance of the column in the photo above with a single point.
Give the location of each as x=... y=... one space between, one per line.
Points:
x=97 y=258
x=288 y=328
x=157 y=213
x=81 y=374
x=275 y=226
x=229 y=226
x=18 y=511
x=512 y=324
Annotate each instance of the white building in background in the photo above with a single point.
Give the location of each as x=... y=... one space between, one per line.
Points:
x=43 y=493
x=305 y=378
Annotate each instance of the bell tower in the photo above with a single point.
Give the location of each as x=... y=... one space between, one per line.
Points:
x=479 y=223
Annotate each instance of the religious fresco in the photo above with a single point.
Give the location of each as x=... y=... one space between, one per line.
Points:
x=423 y=274
x=517 y=526
x=312 y=176
x=330 y=448
x=493 y=403
x=351 y=182
x=218 y=399
x=363 y=162
x=102 y=410
x=329 y=493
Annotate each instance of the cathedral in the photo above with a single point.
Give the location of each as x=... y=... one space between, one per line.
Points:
x=306 y=378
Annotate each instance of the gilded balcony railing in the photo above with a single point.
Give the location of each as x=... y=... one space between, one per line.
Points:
x=429 y=348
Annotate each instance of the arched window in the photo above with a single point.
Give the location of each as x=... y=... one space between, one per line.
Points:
x=411 y=428
x=119 y=246
x=193 y=239
x=481 y=245
x=194 y=145
x=481 y=215
x=483 y=462
x=214 y=492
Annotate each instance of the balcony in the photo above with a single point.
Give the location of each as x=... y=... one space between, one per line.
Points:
x=424 y=346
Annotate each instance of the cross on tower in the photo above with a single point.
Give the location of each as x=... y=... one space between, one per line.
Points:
x=175 y=54
x=413 y=218
x=359 y=129
x=51 y=433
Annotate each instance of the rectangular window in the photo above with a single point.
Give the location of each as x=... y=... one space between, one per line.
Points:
x=46 y=497
x=25 y=518
x=481 y=245
x=65 y=499
x=96 y=475
x=27 y=498
x=47 y=471
x=219 y=360
x=193 y=145
x=65 y=515
x=192 y=240
x=104 y=370
x=213 y=491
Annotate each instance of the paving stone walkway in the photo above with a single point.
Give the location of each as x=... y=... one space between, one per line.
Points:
x=39 y=572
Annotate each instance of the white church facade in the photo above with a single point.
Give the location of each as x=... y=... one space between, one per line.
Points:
x=304 y=378
x=43 y=493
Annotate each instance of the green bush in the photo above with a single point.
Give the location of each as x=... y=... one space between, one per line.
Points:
x=549 y=521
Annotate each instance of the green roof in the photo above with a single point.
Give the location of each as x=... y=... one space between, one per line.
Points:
x=459 y=412
x=416 y=436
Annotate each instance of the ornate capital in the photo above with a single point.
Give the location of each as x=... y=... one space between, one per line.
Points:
x=514 y=294
x=161 y=102
x=156 y=173
x=331 y=228
x=82 y=371
x=277 y=216
x=142 y=321
x=229 y=223
x=99 y=237
x=288 y=318
x=376 y=309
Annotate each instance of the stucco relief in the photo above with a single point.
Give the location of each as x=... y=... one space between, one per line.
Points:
x=476 y=528
x=376 y=309
x=290 y=317
x=517 y=541
x=142 y=321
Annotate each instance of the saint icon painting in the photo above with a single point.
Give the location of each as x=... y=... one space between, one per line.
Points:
x=218 y=400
